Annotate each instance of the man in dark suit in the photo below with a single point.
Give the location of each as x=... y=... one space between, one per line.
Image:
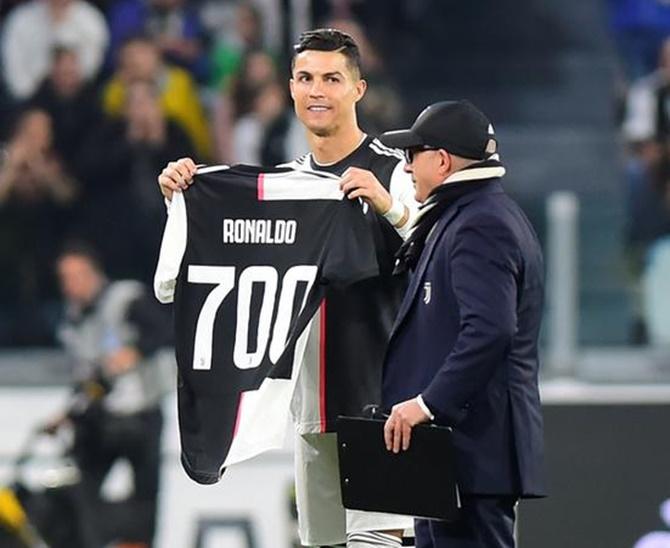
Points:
x=463 y=352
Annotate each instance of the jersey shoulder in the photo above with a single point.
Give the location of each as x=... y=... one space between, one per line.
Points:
x=301 y=163
x=382 y=160
x=380 y=150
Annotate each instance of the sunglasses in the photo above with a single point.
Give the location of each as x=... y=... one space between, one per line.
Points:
x=410 y=152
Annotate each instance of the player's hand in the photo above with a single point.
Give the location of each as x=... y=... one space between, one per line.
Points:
x=176 y=176
x=398 y=428
x=361 y=183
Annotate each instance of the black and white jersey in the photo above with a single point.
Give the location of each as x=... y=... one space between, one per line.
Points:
x=247 y=256
x=348 y=339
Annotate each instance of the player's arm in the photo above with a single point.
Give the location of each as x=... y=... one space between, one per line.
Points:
x=173 y=247
x=176 y=177
x=397 y=205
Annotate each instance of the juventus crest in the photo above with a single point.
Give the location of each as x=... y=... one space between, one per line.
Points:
x=427 y=293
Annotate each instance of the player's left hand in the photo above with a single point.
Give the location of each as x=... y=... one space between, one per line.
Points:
x=361 y=183
x=398 y=427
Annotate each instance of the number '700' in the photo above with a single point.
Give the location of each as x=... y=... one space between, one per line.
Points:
x=223 y=277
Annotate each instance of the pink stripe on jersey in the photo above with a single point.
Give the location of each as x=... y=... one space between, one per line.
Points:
x=261 y=187
x=322 y=365
x=238 y=416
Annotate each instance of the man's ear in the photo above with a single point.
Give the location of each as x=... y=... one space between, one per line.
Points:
x=446 y=162
x=290 y=87
x=361 y=87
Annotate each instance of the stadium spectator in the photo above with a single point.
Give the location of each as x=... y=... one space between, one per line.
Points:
x=173 y=24
x=240 y=66
x=72 y=103
x=646 y=130
x=249 y=134
x=283 y=136
x=237 y=101
x=229 y=52
x=639 y=27
x=647 y=114
x=140 y=59
x=269 y=134
x=33 y=29
x=123 y=214
x=257 y=70
x=112 y=333
x=381 y=108
x=32 y=172
x=36 y=200
x=221 y=18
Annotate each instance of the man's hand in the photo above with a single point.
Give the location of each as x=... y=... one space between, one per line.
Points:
x=51 y=427
x=122 y=360
x=398 y=427
x=176 y=176
x=361 y=183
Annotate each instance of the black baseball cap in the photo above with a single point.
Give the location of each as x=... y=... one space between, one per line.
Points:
x=456 y=126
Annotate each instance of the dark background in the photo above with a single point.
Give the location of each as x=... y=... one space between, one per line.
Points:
x=608 y=474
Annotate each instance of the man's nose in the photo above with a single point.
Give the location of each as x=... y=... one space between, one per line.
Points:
x=316 y=89
x=407 y=168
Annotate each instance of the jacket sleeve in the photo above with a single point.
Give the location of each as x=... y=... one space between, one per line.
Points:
x=485 y=269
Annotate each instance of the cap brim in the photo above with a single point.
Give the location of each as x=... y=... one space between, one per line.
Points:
x=403 y=138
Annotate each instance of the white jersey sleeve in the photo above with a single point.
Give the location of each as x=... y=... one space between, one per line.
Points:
x=401 y=188
x=172 y=250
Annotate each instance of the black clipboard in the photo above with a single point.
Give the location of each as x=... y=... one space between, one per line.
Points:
x=419 y=482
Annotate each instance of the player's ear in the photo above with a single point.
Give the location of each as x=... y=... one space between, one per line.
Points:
x=291 y=83
x=361 y=87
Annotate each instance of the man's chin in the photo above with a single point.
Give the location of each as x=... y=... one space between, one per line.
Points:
x=320 y=130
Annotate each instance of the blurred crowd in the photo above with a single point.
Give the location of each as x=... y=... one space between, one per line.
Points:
x=97 y=96
x=642 y=34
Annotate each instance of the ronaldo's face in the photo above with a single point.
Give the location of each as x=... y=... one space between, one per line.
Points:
x=325 y=91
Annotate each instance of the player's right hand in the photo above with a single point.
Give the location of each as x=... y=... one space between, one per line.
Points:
x=176 y=176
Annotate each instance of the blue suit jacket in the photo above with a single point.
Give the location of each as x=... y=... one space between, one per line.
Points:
x=466 y=339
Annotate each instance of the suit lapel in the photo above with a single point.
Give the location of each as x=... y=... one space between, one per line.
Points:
x=493 y=187
x=421 y=266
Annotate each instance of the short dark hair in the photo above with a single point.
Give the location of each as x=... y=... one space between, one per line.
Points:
x=62 y=49
x=329 y=40
x=138 y=38
x=84 y=250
